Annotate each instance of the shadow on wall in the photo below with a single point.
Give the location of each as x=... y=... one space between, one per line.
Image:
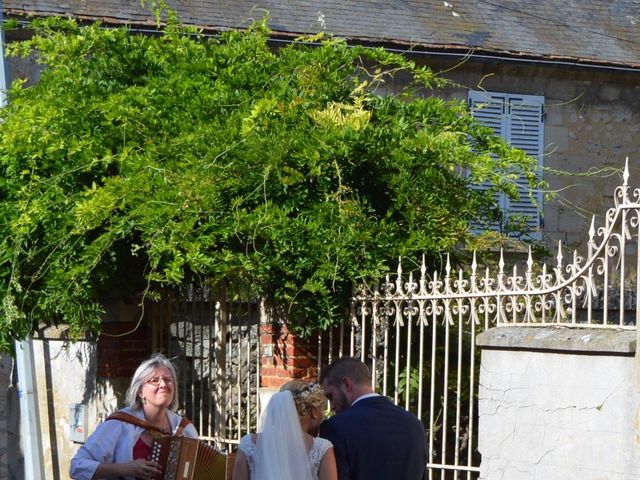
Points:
x=65 y=374
x=15 y=460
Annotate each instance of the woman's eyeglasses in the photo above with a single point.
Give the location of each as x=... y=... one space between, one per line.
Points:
x=155 y=381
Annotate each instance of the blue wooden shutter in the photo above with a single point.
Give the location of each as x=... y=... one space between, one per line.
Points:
x=519 y=120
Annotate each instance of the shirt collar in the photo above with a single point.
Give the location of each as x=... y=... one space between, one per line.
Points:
x=366 y=395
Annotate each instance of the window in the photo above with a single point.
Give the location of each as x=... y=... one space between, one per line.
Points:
x=519 y=120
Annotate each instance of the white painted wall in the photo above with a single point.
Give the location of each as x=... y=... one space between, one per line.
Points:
x=68 y=378
x=547 y=415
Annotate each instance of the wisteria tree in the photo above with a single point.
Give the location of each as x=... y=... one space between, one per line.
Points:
x=139 y=163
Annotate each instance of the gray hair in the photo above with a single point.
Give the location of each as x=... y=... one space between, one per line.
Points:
x=157 y=360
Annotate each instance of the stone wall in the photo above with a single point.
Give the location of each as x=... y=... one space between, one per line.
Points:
x=591 y=123
x=557 y=404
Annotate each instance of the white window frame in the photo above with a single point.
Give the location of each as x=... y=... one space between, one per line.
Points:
x=519 y=119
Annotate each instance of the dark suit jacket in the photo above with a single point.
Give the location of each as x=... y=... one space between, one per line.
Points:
x=376 y=440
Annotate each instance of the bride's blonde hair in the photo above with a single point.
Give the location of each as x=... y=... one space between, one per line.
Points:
x=305 y=395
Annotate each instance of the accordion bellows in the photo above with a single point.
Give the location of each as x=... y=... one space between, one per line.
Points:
x=185 y=458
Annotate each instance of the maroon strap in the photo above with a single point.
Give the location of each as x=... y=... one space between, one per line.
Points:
x=127 y=418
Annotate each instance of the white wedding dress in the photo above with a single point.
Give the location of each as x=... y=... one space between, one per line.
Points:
x=279 y=451
x=317 y=451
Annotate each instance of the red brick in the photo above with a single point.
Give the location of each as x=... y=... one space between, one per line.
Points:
x=290 y=372
x=286 y=362
x=272 y=382
x=303 y=362
x=267 y=371
x=295 y=349
x=120 y=356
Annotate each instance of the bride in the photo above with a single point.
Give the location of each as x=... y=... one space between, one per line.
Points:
x=284 y=449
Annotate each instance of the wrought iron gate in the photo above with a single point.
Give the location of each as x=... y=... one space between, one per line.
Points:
x=416 y=331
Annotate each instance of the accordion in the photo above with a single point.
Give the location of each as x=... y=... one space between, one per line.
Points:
x=185 y=458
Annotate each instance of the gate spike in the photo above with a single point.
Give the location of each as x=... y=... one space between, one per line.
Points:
x=559 y=256
x=625 y=174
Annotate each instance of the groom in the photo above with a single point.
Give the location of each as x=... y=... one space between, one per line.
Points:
x=372 y=438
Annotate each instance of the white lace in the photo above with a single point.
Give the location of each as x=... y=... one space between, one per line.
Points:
x=316 y=454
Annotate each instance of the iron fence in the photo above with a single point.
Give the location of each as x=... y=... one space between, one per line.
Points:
x=417 y=332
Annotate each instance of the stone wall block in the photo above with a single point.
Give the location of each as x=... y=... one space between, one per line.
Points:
x=553 y=405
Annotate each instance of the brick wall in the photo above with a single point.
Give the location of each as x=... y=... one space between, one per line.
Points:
x=285 y=356
x=121 y=350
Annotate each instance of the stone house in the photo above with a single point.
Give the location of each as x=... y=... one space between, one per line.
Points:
x=558 y=79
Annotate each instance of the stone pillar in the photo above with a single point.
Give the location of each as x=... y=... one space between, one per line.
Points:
x=557 y=404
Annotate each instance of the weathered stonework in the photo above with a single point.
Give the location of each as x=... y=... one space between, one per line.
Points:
x=557 y=404
x=591 y=124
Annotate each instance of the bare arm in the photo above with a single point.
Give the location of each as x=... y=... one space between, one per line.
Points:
x=328 y=469
x=241 y=467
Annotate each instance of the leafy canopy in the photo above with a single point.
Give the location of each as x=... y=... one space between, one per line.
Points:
x=140 y=163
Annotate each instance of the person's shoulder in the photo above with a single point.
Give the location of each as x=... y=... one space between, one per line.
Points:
x=381 y=401
x=322 y=443
x=134 y=411
x=116 y=423
x=321 y=446
x=190 y=431
x=247 y=443
x=409 y=418
x=332 y=426
x=176 y=418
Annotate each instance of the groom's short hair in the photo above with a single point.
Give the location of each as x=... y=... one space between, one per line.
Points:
x=344 y=367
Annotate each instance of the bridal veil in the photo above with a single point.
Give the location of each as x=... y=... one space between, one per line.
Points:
x=281 y=453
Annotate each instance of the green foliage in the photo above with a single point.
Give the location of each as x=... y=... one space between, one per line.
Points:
x=144 y=162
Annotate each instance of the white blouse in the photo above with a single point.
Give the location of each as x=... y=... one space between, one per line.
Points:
x=113 y=441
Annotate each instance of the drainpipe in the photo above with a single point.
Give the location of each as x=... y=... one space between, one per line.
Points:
x=27 y=391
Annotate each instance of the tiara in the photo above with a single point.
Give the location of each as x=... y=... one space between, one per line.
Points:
x=307 y=391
